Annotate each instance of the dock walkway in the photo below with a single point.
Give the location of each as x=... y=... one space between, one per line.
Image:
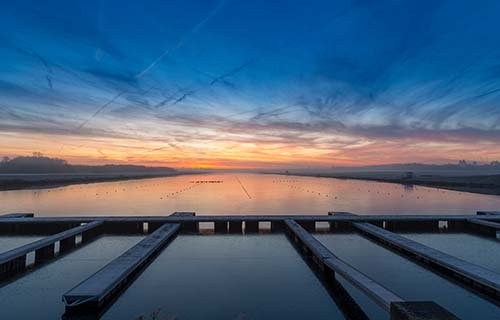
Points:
x=96 y=291
x=480 y=277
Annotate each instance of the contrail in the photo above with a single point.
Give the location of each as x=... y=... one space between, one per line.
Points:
x=157 y=60
x=284 y=44
x=49 y=81
x=183 y=40
x=100 y=109
x=184 y=96
x=232 y=72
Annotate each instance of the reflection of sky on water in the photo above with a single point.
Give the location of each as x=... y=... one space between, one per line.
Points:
x=256 y=194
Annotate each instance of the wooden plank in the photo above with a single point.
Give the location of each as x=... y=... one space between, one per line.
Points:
x=379 y=294
x=485 y=227
x=95 y=292
x=13 y=261
x=488 y=213
x=33 y=246
x=485 y=223
x=211 y=218
x=467 y=272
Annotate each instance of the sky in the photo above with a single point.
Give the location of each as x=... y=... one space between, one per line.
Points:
x=251 y=84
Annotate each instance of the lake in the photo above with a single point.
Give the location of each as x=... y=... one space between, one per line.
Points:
x=229 y=193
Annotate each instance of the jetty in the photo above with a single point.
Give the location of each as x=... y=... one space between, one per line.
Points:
x=93 y=295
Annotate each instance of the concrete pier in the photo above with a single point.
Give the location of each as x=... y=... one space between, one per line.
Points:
x=14 y=261
x=472 y=275
x=104 y=286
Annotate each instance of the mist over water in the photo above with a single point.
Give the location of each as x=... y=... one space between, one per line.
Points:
x=236 y=194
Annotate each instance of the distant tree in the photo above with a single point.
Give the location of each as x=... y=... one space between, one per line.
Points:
x=5 y=159
x=37 y=154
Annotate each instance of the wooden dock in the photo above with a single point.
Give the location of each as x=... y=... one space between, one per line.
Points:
x=14 y=261
x=470 y=274
x=327 y=260
x=94 y=293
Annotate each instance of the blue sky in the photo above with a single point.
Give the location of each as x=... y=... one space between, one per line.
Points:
x=253 y=83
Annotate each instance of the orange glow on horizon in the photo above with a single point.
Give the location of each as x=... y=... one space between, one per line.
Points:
x=220 y=154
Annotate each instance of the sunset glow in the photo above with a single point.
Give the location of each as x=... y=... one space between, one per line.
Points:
x=342 y=83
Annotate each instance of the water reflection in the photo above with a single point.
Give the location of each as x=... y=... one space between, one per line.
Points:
x=227 y=277
x=242 y=194
x=405 y=278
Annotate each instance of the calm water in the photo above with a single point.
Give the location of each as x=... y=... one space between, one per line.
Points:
x=479 y=250
x=405 y=278
x=242 y=194
x=37 y=295
x=227 y=277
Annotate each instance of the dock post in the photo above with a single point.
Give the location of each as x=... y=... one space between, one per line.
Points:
x=124 y=227
x=277 y=226
x=190 y=227
x=67 y=244
x=397 y=226
x=91 y=234
x=11 y=267
x=220 y=226
x=251 y=226
x=340 y=226
x=235 y=226
x=419 y=310
x=187 y=226
x=457 y=226
x=153 y=226
x=310 y=226
x=44 y=254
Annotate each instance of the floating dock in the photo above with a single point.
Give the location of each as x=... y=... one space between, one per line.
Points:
x=469 y=273
x=92 y=296
x=93 y=293
x=14 y=261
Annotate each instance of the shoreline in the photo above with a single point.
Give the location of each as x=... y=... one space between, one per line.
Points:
x=48 y=181
x=469 y=184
